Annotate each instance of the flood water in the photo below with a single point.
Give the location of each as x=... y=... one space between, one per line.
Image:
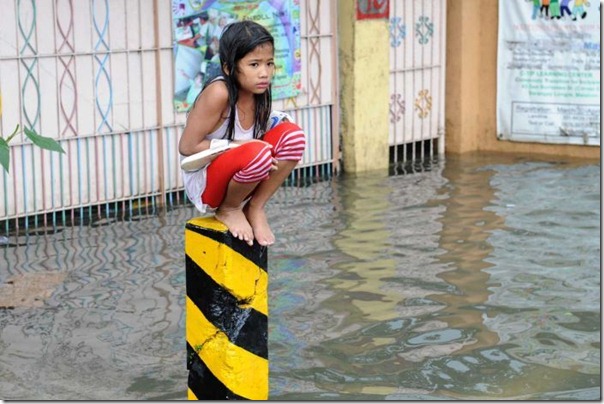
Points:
x=478 y=279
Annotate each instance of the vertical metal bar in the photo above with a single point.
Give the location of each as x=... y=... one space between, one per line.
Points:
x=105 y=140
x=105 y=175
x=125 y=137
x=315 y=127
x=158 y=108
x=42 y=172
x=414 y=74
x=124 y=162
x=54 y=35
x=115 y=159
x=335 y=89
x=79 y=172
x=408 y=100
x=177 y=129
x=91 y=2
x=423 y=73
x=97 y=172
x=443 y=64
x=325 y=120
x=140 y=185
x=96 y=165
x=130 y=171
x=393 y=74
x=5 y=193
x=152 y=173
x=142 y=156
x=434 y=94
x=22 y=112
x=95 y=95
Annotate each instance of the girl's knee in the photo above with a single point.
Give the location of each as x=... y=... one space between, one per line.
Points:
x=280 y=130
x=291 y=144
x=257 y=164
x=249 y=151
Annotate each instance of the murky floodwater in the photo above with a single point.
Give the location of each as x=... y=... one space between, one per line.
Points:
x=479 y=279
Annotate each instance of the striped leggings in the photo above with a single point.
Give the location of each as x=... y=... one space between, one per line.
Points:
x=251 y=161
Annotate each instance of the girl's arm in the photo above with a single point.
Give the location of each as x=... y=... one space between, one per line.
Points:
x=206 y=116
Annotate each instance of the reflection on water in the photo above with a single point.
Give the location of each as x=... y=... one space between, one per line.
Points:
x=112 y=329
x=415 y=286
x=478 y=279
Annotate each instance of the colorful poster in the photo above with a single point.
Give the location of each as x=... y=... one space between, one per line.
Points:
x=197 y=26
x=548 y=87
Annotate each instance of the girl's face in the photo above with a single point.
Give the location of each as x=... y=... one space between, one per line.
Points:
x=255 y=70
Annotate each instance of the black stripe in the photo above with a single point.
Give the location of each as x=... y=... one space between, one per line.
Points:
x=256 y=253
x=246 y=328
x=202 y=381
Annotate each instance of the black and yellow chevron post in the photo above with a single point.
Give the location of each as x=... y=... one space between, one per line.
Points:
x=226 y=314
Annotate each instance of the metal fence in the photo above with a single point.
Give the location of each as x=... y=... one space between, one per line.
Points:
x=97 y=75
x=417 y=82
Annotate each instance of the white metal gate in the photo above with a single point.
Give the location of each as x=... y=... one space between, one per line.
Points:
x=417 y=79
x=97 y=76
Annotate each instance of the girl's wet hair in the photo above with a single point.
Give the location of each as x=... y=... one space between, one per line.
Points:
x=237 y=40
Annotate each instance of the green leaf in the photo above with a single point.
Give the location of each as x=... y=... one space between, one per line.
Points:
x=4 y=154
x=43 y=142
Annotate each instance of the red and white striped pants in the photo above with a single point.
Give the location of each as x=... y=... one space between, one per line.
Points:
x=251 y=161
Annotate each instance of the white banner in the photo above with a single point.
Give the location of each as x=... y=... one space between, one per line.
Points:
x=548 y=78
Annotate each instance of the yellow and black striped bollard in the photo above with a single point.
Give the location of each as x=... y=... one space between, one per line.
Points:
x=226 y=314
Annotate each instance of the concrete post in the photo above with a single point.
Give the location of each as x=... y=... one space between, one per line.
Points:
x=364 y=66
x=226 y=314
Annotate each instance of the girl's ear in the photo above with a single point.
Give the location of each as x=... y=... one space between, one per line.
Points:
x=226 y=69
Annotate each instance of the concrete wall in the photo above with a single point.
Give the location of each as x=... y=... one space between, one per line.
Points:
x=471 y=86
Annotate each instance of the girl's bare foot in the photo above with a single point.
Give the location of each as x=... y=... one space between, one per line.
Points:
x=237 y=223
x=262 y=231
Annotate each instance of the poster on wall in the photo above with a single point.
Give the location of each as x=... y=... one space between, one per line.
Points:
x=197 y=26
x=548 y=81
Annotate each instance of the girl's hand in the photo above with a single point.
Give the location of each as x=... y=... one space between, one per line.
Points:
x=274 y=166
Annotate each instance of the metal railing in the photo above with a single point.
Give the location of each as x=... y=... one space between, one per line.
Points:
x=97 y=76
x=417 y=82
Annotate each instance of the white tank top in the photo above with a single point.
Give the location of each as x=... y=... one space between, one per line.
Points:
x=240 y=133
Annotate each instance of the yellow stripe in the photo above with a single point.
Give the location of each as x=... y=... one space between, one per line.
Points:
x=240 y=371
x=209 y=223
x=246 y=281
x=191 y=395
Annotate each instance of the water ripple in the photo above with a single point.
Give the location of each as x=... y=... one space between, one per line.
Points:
x=476 y=280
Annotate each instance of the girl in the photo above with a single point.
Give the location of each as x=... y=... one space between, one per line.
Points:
x=235 y=108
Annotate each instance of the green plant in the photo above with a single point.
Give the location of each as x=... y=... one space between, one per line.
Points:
x=38 y=140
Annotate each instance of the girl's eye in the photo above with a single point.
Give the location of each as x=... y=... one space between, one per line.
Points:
x=254 y=64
